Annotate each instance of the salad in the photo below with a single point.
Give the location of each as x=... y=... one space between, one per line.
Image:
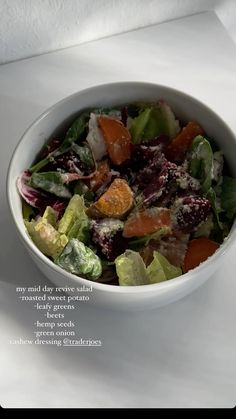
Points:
x=129 y=195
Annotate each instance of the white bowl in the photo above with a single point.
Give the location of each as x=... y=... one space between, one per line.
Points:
x=186 y=108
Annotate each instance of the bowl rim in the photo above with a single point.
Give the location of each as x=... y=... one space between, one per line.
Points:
x=166 y=285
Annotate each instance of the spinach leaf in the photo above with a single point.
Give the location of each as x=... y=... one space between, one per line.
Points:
x=216 y=206
x=221 y=222
x=228 y=196
x=85 y=155
x=74 y=134
x=79 y=259
x=200 y=159
x=51 y=182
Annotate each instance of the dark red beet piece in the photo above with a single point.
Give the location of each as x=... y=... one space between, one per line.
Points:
x=108 y=238
x=152 y=168
x=161 y=181
x=189 y=211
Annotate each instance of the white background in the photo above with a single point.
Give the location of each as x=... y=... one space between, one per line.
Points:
x=182 y=355
x=31 y=27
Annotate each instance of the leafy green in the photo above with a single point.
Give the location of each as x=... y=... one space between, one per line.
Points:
x=27 y=210
x=51 y=182
x=155 y=119
x=200 y=159
x=131 y=269
x=222 y=223
x=228 y=196
x=39 y=165
x=83 y=190
x=85 y=155
x=75 y=133
x=155 y=271
x=75 y=222
x=45 y=236
x=170 y=270
x=144 y=241
x=139 y=124
x=80 y=230
x=216 y=207
x=50 y=216
x=79 y=259
x=160 y=269
x=218 y=163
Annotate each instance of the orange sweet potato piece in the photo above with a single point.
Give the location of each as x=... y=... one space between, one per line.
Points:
x=146 y=222
x=180 y=144
x=114 y=203
x=117 y=139
x=100 y=176
x=198 y=251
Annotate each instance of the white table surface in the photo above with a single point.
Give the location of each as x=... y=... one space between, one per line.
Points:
x=182 y=355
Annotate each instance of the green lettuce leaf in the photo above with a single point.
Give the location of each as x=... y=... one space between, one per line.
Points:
x=154 y=120
x=139 y=124
x=50 y=216
x=200 y=159
x=160 y=269
x=131 y=269
x=79 y=259
x=80 y=230
x=75 y=222
x=46 y=237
